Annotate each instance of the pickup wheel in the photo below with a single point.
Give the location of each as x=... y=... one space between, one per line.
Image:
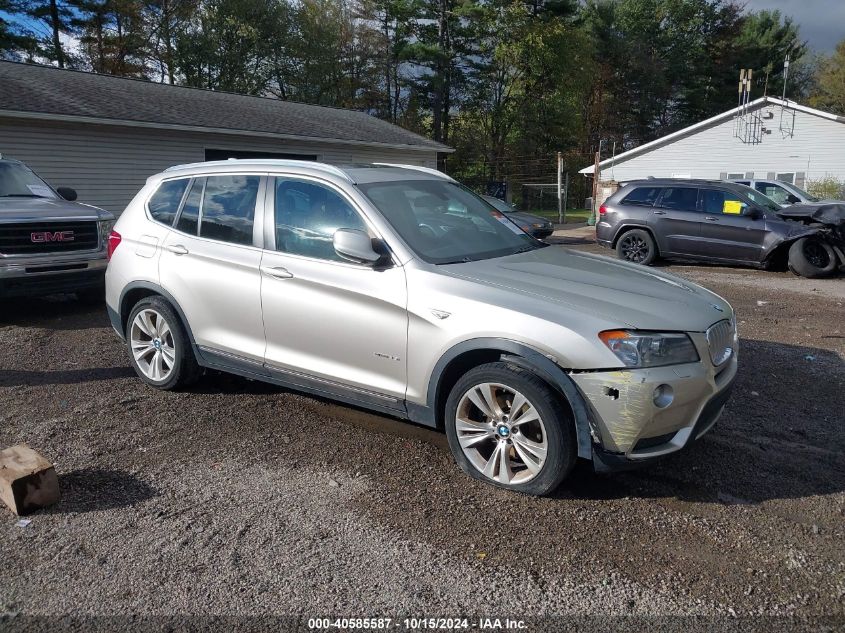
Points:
x=159 y=348
x=507 y=427
x=811 y=257
x=637 y=246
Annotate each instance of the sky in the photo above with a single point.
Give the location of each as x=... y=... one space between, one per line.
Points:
x=822 y=22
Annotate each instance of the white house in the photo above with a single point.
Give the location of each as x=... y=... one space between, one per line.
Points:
x=104 y=135
x=769 y=138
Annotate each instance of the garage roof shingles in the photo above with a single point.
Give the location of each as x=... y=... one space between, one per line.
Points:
x=49 y=90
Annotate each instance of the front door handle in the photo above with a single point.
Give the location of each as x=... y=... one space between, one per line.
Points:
x=710 y=218
x=277 y=273
x=659 y=212
x=177 y=249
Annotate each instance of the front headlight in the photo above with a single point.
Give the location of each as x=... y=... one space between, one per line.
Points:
x=650 y=349
x=105 y=230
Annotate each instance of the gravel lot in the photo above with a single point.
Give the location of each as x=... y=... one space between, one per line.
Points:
x=239 y=498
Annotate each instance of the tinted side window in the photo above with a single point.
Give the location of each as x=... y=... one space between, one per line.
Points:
x=165 y=201
x=307 y=215
x=189 y=217
x=679 y=198
x=642 y=196
x=715 y=201
x=228 y=208
x=773 y=191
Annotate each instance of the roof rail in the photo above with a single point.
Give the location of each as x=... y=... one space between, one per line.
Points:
x=277 y=162
x=427 y=170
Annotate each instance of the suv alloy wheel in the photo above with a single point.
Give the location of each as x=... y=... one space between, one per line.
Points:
x=507 y=427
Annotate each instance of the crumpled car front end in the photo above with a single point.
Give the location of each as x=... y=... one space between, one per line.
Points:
x=639 y=414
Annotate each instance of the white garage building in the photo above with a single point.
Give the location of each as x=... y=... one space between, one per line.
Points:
x=769 y=138
x=103 y=135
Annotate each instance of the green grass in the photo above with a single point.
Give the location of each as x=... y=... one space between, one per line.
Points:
x=572 y=215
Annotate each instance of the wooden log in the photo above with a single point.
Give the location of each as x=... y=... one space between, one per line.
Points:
x=28 y=482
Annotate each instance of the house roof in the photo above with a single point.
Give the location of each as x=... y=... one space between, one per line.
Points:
x=45 y=92
x=719 y=118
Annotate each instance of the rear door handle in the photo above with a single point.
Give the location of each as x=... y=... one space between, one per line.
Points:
x=710 y=218
x=277 y=273
x=659 y=212
x=177 y=249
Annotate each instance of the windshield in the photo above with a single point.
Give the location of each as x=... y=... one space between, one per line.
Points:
x=19 y=181
x=496 y=203
x=445 y=223
x=760 y=200
x=804 y=194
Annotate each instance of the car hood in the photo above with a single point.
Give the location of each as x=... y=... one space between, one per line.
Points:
x=629 y=294
x=526 y=218
x=40 y=209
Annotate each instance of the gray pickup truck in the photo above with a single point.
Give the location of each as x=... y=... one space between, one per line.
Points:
x=48 y=242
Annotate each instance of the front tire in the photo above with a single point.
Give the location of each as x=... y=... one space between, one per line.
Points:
x=637 y=246
x=507 y=427
x=159 y=348
x=812 y=257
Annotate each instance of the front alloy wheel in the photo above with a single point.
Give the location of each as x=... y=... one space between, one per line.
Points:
x=501 y=433
x=506 y=426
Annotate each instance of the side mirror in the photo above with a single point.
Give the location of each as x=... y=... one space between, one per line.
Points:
x=753 y=213
x=792 y=199
x=67 y=193
x=355 y=246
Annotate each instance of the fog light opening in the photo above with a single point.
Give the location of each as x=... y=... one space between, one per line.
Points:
x=663 y=396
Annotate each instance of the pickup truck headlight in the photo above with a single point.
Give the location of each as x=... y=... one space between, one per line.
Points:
x=650 y=349
x=105 y=230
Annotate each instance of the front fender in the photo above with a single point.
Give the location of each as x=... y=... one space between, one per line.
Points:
x=519 y=354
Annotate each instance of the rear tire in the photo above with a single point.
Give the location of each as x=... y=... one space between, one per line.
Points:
x=637 y=246
x=159 y=347
x=521 y=437
x=812 y=257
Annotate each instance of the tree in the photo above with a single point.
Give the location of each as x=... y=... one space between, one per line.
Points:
x=765 y=40
x=829 y=89
x=16 y=41
x=56 y=16
x=113 y=36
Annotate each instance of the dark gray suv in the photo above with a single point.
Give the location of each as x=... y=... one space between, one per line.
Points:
x=709 y=220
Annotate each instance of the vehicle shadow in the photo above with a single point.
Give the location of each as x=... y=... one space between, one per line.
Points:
x=780 y=436
x=55 y=312
x=23 y=377
x=93 y=489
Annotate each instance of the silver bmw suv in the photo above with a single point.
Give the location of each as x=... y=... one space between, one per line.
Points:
x=397 y=289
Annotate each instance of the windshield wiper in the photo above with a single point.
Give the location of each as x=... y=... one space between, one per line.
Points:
x=462 y=260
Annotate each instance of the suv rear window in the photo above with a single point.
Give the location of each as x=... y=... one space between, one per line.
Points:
x=642 y=196
x=228 y=208
x=165 y=201
x=680 y=198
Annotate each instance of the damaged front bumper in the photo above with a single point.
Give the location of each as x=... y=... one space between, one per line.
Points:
x=641 y=414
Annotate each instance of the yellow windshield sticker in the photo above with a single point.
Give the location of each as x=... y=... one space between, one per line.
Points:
x=732 y=206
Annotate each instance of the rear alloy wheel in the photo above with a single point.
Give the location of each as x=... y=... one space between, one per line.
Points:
x=637 y=246
x=159 y=348
x=811 y=257
x=507 y=427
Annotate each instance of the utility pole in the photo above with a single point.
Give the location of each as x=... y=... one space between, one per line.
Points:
x=559 y=192
x=596 y=173
x=565 y=195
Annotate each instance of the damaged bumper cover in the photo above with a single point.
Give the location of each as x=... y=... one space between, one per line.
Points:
x=642 y=414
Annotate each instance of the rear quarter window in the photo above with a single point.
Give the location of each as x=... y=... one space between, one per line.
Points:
x=642 y=196
x=164 y=203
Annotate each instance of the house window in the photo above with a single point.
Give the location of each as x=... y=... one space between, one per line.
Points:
x=735 y=176
x=786 y=177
